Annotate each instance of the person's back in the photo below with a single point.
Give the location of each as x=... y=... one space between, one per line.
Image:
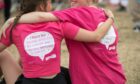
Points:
x=39 y=46
x=31 y=41
x=92 y=63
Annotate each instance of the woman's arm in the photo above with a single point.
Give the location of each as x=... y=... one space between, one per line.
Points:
x=35 y=17
x=99 y=33
x=94 y=36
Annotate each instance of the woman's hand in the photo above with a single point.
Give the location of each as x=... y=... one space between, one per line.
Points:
x=5 y=26
x=109 y=13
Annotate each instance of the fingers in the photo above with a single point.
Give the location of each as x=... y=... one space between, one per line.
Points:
x=109 y=13
x=0 y=33
x=4 y=33
x=3 y=29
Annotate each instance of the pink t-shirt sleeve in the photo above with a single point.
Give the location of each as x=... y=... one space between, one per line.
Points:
x=6 y=41
x=69 y=30
x=66 y=15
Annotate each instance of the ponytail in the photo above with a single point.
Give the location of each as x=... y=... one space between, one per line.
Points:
x=26 y=6
x=14 y=25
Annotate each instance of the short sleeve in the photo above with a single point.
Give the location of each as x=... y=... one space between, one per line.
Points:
x=66 y=15
x=69 y=30
x=6 y=40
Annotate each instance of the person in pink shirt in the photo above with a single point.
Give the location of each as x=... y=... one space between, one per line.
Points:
x=39 y=43
x=90 y=63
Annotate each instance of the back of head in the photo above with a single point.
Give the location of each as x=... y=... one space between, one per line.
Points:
x=27 y=6
x=31 y=5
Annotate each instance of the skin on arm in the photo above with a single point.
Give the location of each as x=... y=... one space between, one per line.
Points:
x=9 y=66
x=94 y=36
x=38 y=17
x=33 y=17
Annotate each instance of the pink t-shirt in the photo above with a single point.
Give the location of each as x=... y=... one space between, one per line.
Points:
x=95 y=62
x=39 y=46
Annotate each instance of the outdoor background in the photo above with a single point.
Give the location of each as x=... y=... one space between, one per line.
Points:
x=128 y=48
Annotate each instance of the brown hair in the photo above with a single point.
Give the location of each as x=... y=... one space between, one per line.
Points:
x=94 y=1
x=27 y=6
